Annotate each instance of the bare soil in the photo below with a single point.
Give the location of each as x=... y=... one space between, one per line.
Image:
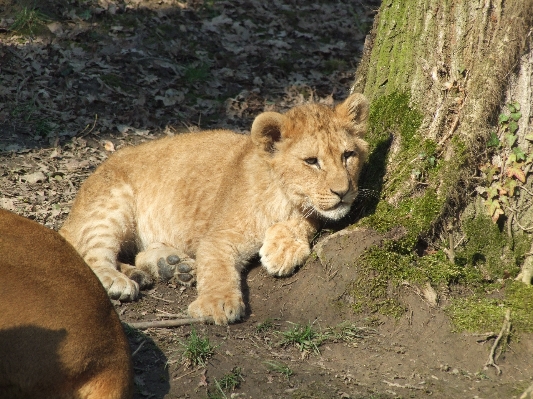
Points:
x=100 y=75
x=416 y=356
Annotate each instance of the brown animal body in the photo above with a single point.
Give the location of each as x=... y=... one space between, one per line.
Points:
x=200 y=205
x=60 y=337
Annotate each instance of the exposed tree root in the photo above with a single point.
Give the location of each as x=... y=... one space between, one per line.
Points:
x=504 y=333
x=406 y=386
x=526 y=275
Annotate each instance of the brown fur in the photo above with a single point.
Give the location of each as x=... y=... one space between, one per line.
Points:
x=60 y=337
x=216 y=198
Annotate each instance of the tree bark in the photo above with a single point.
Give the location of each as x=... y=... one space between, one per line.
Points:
x=454 y=62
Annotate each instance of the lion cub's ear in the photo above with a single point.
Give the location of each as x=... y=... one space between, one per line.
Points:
x=266 y=130
x=355 y=109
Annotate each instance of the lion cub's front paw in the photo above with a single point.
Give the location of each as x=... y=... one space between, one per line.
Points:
x=224 y=308
x=117 y=285
x=282 y=252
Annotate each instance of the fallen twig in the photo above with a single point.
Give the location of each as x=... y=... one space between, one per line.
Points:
x=450 y=252
x=525 y=189
x=186 y=374
x=85 y=132
x=143 y=325
x=526 y=229
x=289 y=283
x=407 y=386
x=172 y=315
x=161 y=299
x=451 y=131
x=485 y=337
x=138 y=348
x=504 y=332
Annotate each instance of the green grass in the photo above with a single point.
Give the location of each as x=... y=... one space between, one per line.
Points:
x=265 y=326
x=280 y=368
x=478 y=313
x=346 y=332
x=43 y=128
x=334 y=65
x=24 y=110
x=231 y=380
x=305 y=338
x=196 y=72
x=29 y=21
x=197 y=350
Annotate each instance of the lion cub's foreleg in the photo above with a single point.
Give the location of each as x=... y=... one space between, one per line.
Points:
x=163 y=261
x=219 y=261
x=286 y=246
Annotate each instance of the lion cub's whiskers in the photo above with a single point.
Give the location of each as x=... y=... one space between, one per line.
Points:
x=308 y=209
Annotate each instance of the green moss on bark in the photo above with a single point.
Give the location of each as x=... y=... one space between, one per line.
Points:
x=410 y=165
x=490 y=250
x=482 y=314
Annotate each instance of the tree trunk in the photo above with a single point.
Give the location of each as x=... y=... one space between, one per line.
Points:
x=437 y=73
x=451 y=90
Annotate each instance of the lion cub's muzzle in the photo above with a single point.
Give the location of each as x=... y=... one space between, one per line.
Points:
x=336 y=205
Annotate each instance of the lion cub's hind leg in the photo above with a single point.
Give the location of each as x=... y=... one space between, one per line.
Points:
x=141 y=277
x=165 y=262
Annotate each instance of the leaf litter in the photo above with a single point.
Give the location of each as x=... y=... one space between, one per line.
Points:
x=92 y=76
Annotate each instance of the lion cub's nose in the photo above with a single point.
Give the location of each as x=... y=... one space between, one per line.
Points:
x=340 y=193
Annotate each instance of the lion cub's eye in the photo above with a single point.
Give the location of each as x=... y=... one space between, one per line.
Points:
x=311 y=161
x=348 y=154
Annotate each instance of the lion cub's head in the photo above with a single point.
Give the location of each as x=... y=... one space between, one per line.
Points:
x=317 y=153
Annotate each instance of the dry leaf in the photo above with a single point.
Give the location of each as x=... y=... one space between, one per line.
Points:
x=109 y=146
x=496 y=215
x=33 y=178
x=518 y=173
x=203 y=379
x=430 y=295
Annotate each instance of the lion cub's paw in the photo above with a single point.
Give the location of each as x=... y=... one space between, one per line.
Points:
x=144 y=279
x=118 y=285
x=224 y=308
x=186 y=272
x=281 y=252
x=160 y=260
x=166 y=266
x=183 y=269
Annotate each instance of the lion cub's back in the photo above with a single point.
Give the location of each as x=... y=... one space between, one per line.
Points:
x=59 y=333
x=177 y=181
x=189 y=154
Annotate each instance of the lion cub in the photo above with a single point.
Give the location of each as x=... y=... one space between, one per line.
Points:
x=200 y=205
x=59 y=334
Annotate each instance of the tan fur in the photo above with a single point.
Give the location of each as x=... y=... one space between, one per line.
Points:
x=60 y=337
x=216 y=198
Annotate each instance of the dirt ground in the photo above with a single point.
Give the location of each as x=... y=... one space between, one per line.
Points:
x=80 y=79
